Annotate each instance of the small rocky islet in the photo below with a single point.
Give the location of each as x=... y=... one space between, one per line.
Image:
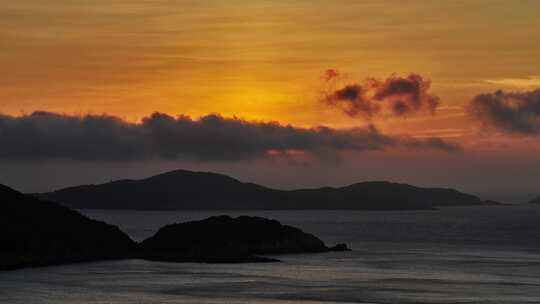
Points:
x=223 y=239
x=36 y=232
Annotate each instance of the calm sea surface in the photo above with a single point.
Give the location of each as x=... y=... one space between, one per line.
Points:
x=455 y=255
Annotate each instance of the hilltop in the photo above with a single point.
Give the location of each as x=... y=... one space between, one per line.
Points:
x=188 y=190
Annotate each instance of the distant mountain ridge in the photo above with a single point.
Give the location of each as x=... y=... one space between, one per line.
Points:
x=189 y=190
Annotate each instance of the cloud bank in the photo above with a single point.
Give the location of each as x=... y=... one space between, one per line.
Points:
x=396 y=96
x=50 y=136
x=509 y=112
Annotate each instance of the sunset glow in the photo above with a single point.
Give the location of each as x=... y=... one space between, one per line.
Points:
x=273 y=61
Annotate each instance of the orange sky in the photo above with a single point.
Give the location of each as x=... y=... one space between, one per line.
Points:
x=259 y=60
x=264 y=60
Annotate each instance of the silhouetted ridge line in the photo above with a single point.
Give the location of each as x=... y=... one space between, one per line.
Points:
x=39 y=233
x=188 y=190
x=223 y=239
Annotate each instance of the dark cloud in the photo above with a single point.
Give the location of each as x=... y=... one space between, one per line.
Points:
x=331 y=74
x=397 y=96
x=510 y=112
x=46 y=136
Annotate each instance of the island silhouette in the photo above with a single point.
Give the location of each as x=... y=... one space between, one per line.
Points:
x=40 y=233
x=43 y=229
x=189 y=190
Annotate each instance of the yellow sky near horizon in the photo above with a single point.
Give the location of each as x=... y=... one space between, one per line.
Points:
x=260 y=60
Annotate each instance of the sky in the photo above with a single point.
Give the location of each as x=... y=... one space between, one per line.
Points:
x=284 y=93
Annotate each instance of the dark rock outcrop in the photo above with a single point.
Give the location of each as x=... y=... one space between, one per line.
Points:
x=223 y=239
x=39 y=233
x=185 y=190
x=339 y=247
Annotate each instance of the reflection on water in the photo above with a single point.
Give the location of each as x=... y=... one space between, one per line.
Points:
x=457 y=255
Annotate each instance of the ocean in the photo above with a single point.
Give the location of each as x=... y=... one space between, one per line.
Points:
x=454 y=255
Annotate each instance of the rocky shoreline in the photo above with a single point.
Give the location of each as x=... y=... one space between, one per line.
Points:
x=41 y=233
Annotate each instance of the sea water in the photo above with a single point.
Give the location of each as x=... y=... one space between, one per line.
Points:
x=452 y=255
